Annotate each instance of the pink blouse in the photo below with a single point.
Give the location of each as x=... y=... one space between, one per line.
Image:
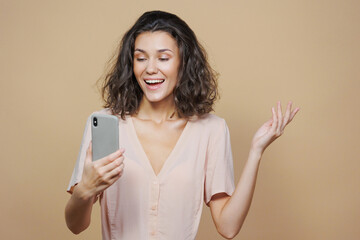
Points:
x=142 y=205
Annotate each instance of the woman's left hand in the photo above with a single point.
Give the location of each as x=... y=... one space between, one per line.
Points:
x=273 y=128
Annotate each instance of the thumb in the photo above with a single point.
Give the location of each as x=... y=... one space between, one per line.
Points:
x=268 y=122
x=88 y=157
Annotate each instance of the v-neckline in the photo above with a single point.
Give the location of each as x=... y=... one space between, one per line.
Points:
x=143 y=153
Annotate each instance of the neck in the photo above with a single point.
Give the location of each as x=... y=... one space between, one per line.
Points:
x=157 y=111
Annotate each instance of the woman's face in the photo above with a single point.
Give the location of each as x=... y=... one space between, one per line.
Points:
x=156 y=64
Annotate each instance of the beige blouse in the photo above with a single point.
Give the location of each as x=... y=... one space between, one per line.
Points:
x=141 y=205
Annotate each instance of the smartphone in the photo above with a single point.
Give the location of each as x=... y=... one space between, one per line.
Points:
x=105 y=135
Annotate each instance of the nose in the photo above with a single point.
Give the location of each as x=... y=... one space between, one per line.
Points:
x=151 y=67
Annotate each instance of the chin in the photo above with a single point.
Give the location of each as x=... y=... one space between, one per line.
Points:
x=156 y=98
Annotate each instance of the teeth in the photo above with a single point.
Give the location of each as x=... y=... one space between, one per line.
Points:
x=154 y=81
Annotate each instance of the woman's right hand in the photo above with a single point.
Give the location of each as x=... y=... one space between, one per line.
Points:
x=100 y=174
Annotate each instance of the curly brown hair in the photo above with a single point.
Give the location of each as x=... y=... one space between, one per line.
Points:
x=196 y=90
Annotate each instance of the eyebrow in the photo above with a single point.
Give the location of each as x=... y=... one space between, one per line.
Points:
x=160 y=50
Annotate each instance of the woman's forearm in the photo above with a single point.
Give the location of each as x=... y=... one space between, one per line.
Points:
x=230 y=212
x=96 y=177
x=236 y=208
x=78 y=210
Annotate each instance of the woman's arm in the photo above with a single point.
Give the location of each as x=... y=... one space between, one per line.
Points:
x=96 y=177
x=78 y=210
x=229 y=212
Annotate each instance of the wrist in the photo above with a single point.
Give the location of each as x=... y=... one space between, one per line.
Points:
x=255 y=153
x=83 y=193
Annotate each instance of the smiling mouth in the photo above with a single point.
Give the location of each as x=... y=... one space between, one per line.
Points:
x=154 y=81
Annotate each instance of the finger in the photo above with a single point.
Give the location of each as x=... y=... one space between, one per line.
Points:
x=115 y=174
x=109 y=158
x=287 y=116
x=280 y=117
x=112 y=165
x=268 y=122
x=292 y=115
x=120 y=170
x=274 y=120
x=109 y=178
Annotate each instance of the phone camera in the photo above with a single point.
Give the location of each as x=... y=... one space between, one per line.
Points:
x=95 y=121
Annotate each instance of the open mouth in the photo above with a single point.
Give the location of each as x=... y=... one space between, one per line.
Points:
x=154 y=81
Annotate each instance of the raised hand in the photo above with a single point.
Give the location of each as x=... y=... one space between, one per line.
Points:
x=273 y=128
x=102 y=173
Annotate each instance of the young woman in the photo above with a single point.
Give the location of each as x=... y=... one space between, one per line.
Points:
x=174 y=154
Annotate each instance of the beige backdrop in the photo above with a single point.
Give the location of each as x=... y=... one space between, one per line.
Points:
x=52 y=53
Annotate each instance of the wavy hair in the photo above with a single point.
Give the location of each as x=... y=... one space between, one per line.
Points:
x=196 y=89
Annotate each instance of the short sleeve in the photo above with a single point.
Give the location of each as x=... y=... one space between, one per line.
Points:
x=79 y=166
x=219 y=171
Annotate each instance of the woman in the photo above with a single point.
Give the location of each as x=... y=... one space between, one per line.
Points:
x=177 y=153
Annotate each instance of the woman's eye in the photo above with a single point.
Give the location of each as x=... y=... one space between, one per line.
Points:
x=163 y=59
x=140 y=59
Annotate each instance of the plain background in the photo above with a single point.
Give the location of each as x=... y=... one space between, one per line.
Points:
x=53 y=52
